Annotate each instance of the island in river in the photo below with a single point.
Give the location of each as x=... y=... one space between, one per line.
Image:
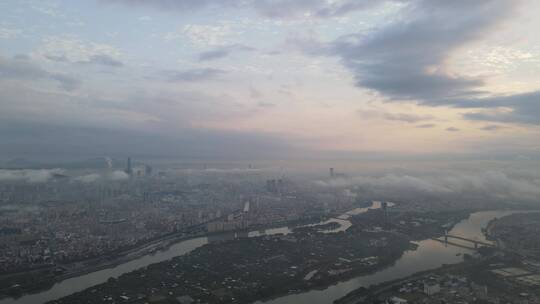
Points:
x=245 y=270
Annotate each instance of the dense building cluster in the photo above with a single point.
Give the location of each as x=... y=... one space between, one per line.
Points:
x=485 y=284
x=65 y=220
x=519 y=232
x=247 y=269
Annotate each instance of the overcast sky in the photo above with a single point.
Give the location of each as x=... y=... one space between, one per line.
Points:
x=269 y=78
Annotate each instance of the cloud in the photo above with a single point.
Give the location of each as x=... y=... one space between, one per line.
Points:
x=448 y=184
x=287 y=8
x=164 y=123
x=9 y=33
x=73 y=50
x=223 y=52
x=254 y=93
x=192 y=75
x=23 y=69
x=25 y=104
x=164 y=111
x=145 y=18
x=26 y=139
x=56 y=58
x=340 y=8
x=406 y=59
x=290 y=9
x=452 y=129
x=214 y=54
x=180 y=5
x=232 y=170
x=118 y=175
x=410 y=118
x=492 y=128
x=103 y=60
x=266 y=104
x=277 y=9
x=426 y=126
x=402 y=117
x=88 y=178
x=29 y=176
x=308 y=45
x=68 y=83
x=519 y=108
x=202 y=35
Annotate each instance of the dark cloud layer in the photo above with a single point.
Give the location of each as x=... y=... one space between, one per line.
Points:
x=21 y=68
x=31 y=139
x=401 y=117
x=405 y=60
x=524 y=108
x=492 y=128
x=223 y=52
x=34 y=123
x=426 y=126
x=100 y=59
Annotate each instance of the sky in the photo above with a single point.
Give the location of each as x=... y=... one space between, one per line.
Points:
x=269 y=78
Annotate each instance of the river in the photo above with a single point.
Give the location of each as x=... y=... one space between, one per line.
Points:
x=429 y=254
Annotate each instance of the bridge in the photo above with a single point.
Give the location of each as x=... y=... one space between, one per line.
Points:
x=476 y=243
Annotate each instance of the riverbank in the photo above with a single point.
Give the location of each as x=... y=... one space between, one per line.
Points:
x=339 y=279
x=42 y=280
x=517 y=233
x=364 y=294
x=429 y=255
x=481 y=279
x=251 y=269
x=261 y=268
x=376 y=292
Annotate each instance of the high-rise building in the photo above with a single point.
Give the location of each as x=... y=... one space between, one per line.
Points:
x=332 y=174
x=384 y=206
x=271 y=185
x=129 y=170
x=147 y=170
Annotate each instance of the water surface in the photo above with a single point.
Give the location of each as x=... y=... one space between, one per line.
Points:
x=430 y=254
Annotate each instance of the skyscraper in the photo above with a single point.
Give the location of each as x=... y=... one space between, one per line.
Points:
x=129 y=170
x=384 y=206
x=147 y=170
x=331 y=172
